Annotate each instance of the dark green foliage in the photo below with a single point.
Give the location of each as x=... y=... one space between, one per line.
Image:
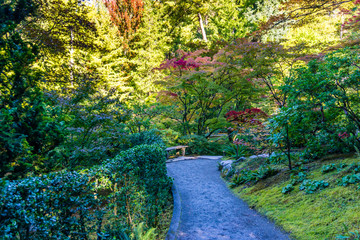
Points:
x=246 y=176
x=295 y=179
x=29 y=132
x=288 y=188
x=46 y=207
x=95 y=128
x=145 y=137
x=354 y=168
x=149 y=167
x=350 y=179
x=298 y=178
x=323 y=104
x=266 y=171
x=311 y=186
x=328 y=168
x=202 y=145
x=106 y=200
x=351 y=235
x=333 y=167
x=29 y=125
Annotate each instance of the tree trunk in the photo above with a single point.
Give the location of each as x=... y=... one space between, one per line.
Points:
x=72 y=57
x=202 y=27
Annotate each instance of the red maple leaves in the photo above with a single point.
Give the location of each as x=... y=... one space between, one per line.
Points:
x=249 y=116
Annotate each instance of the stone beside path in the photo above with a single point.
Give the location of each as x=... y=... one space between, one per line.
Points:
x=209 y=210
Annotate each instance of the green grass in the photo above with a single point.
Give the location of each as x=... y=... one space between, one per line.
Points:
x=323 y=215
x=165 y=220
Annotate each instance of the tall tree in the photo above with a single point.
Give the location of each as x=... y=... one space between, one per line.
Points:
x=28 y=128
x=126 y=15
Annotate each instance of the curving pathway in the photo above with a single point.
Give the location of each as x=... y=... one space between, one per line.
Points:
x=210 y=211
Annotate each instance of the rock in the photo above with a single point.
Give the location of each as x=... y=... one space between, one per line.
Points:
x=240 y=159
x=265 y=155
x=227 y=162
x=226 y=167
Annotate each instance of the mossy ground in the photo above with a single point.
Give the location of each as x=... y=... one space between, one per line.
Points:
x=165 y=220
x=324 y=214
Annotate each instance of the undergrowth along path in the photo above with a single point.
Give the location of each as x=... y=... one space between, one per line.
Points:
x=208 y=208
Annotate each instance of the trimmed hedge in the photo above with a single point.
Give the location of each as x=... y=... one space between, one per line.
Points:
x=104 y=202
x=147 y=137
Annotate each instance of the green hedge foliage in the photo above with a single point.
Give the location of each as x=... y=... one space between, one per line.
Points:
x=105 y=202
x=145 y=137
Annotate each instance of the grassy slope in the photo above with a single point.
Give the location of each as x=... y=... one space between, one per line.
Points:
x=322 y=215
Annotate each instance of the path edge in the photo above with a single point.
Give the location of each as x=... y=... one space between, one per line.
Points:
x=175 y=220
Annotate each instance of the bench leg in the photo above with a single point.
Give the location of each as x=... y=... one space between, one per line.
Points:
x=167 y=154
x=183 y=151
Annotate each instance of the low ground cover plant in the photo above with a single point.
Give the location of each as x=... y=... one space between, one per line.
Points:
x=311 y=186
x=247 y=176
x=312 y=201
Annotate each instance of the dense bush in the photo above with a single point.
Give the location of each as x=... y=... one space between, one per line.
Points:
x=29 y=127
x=201 y=145
x=170 y=137
x=145 y=137
x=29 y=131
x=149 y=168
x=106 y=200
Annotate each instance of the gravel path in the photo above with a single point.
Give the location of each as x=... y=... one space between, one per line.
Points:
x=210 y=211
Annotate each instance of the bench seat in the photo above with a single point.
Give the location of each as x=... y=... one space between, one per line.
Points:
x=176 y=148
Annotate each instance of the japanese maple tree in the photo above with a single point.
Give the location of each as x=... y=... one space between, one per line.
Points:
x=202 y=86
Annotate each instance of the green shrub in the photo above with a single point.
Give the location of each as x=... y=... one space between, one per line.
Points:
x=29 y=130
x=235 y=151
x=146 y=137
x=108 y=200
x=149 y=167
x=311 y=186
x=265 y=171
x=54 y=206
x=246 y=176
x=201 y=145
x=170 y=137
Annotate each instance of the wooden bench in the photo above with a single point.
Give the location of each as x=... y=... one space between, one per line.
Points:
x=176 y=148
